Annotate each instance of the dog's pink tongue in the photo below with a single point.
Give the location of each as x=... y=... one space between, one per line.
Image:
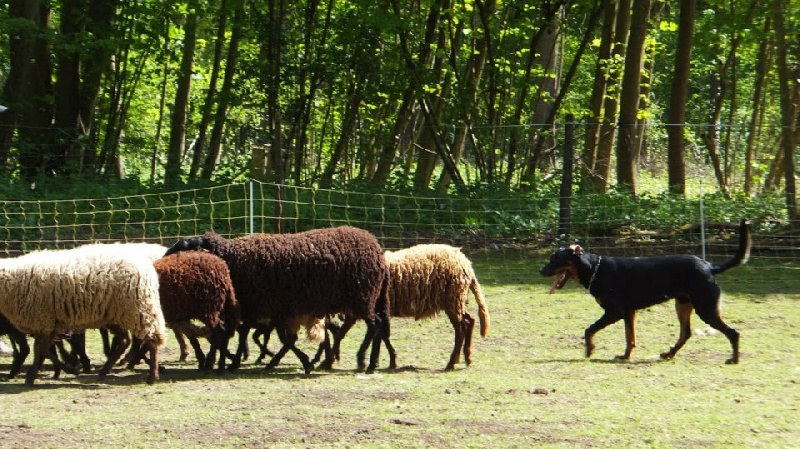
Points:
x=559 y=278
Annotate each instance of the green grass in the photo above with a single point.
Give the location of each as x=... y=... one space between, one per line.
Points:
x=529 y=383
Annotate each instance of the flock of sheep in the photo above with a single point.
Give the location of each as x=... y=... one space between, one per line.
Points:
x=280 y=282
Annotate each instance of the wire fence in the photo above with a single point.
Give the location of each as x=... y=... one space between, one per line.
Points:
x=523 y=227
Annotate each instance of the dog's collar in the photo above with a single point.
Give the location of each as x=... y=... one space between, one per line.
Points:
x=594 y=273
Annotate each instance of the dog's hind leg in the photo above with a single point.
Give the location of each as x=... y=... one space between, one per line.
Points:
x=684 y=311
x=608 y=318
x=712 y=317
x=630 y=335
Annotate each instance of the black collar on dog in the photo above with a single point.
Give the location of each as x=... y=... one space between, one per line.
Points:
x=594 y=273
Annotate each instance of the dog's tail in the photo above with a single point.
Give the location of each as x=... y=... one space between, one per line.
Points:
x=742 y=253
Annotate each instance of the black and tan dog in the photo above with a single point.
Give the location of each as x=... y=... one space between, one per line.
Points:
x=623 y=285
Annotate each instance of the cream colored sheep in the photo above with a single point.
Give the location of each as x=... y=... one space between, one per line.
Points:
x=426 y=280
x=46 y=293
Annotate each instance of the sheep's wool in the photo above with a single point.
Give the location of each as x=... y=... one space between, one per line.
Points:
x=91 y=286
x=428 y=279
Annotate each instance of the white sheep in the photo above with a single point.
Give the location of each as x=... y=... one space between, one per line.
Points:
x=46 y=293
x=428 y=279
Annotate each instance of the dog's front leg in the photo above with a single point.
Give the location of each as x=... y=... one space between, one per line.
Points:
x=610 y=317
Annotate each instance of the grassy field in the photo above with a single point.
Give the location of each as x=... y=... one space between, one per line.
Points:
x=529 y=383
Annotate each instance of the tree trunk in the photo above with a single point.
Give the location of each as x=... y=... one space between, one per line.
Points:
x=522 y=96
x=426 y=162
x=752 y=129
x=29 y=89
x=162 y=104
x=589 y=176
x=602 y=166
x=210 y=100
x=676 y=118
x=355 y=94
x=177 y=132
x=215 y=142
x=627 y=156
x=272 y=51
x=550 y=120
x=468 y=89
x=787 y=114
x=544 y=135
x=67 y=119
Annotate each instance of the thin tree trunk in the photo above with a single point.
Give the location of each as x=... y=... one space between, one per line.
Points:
x=522 y=95
x=177 y=132
x=208 y=104
x=67 y=86
x=355 y=95
x=161 y=105
x=468 y=98
x=589 y=156
x=29 y=87
x=752 y=129
x=787 y=114
x=676 y=144
x=427 y=159
x=215 y=142
x=565 y=85
x=627 y=156
x=602 y=166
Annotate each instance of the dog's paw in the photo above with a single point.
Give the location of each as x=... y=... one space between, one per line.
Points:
x=732 y=361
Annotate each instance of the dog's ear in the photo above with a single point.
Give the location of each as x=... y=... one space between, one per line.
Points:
x=576 y=249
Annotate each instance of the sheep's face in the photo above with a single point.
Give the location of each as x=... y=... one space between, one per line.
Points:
x=185 y=244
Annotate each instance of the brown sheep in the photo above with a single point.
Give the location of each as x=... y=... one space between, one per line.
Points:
x=426 y=280
x=196 y=285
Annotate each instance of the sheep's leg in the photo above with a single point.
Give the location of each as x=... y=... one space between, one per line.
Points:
x=242 y=351
x=392 y=353
x=338 y=335
x=106 y=341
x=380 y=328
x=42 y=344
x=184 y=330
x=21 y=351
x=338 y=332
x=288 y=343
x=323 y=348
x=264 y=329
x=468 y=324
x=58 y=365
x=222 y=347
x=179 y=335
x=120 y=343
x=216 y=338
x=78 y=353
x=202 y=360
x=154 y=368
x=459 y=342
x=368 y=338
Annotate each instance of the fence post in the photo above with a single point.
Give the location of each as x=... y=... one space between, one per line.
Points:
x=565 y=195
x=252 y=208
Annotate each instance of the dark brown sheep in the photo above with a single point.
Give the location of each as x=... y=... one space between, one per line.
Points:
x=313 y=273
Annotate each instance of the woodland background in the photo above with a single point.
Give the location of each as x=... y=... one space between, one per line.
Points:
x=414 y=95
